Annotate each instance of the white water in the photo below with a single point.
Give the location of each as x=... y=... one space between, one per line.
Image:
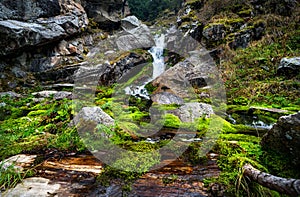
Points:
x=158 y=67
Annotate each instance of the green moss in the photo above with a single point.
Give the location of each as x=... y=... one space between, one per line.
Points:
x=37 y=113
x=170 y=121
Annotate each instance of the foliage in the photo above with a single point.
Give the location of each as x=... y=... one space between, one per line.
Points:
x=148 y=10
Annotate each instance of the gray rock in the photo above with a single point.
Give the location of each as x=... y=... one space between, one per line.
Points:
x=130 y=22
x=10 y=94
x=34 y=186
x=284 y=138
x=94 y=115
x=28 y=9
x=198 y=71
x=191 y=111
x=289 y=65
x=17 y=34
x=166 y=98
x=136 y=36
x=57 y=95
x=18 y=72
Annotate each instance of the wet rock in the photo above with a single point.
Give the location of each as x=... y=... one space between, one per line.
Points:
x=284 y=138
x=166 y=98
x=289 y=66
x=136 y=35
x=32 y=187
x=92 y=114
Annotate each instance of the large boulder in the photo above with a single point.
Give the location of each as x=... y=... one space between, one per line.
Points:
x=191 y=111
x=198 y=71
x=94 y=115
x=166 y=98
x=35 y=24
x=284 y=138
x=136 y=35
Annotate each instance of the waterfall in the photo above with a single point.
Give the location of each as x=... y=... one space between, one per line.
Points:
x=158 y=67
x=157 y=54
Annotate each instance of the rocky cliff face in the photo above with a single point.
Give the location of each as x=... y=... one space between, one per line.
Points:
x=38 y=35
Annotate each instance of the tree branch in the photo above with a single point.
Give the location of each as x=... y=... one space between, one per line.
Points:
x=282 y=185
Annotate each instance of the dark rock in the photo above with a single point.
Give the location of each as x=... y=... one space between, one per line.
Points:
x=241 y=39
x=19 y=73
x=107 y=13
x=215 y=32
x=289 y=66
x=180 y=79
x=28 y=9
x=284 y=138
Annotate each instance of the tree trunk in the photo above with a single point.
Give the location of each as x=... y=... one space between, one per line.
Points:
x=282 y=185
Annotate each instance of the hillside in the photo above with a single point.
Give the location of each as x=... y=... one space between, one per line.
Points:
x=97 y=102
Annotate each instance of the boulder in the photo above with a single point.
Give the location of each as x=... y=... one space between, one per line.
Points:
x=94 y=115
x=289 y=66
x=284 y=138
x=136 y=35
x=166 y=98
x=198 y=71
x=190 y=111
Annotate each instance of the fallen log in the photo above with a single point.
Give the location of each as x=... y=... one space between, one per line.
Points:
x=279 y=184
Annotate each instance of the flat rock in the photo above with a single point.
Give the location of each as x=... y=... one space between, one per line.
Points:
x=34 y=186
x=19 y=161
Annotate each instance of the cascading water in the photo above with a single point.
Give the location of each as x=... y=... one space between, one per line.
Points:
x=158 y=67
x=157 y=54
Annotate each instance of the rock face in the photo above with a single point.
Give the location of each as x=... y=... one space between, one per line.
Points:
x=289 y=66
x=38 y=23
x=284 y=138
x=107 y=13
x=136 y=35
